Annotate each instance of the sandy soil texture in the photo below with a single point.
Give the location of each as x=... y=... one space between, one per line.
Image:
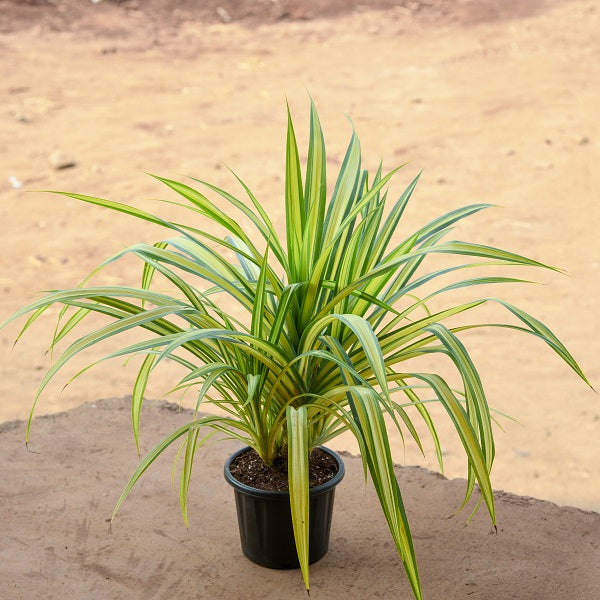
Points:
x=61 y=546
x=494 y=104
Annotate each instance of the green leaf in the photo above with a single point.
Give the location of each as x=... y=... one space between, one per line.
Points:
x=137 y=396
x=467 y=435
x=93 y=338
x=210 y=420
x=298 y=454
x=261 y=221
x=149 y=268
x=314 y=195
x=258 y=309
x=345 y=190
x=186 y=473
x=539 y=329
x=391 y=223
x=367 y=413
x=208 y=209
x=477 y=406
x=295 y=210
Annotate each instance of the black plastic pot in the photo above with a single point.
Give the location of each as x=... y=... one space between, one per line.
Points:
x=265 y=521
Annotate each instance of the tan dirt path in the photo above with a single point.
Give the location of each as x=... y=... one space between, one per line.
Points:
x=496 y=110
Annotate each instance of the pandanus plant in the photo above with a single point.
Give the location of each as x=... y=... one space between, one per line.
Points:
x=334 y=323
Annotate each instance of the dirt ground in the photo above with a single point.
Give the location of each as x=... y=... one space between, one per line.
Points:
x=56 y=542
x=495 y=102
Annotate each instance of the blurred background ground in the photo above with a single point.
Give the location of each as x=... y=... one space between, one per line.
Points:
x=497 y=102
x=77 y=14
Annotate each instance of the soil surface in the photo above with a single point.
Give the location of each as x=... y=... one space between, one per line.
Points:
x=496 y=101
x=57 y=542
x=249 y=469
x=74 y=15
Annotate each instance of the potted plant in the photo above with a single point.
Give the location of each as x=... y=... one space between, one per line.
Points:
x=333 y=325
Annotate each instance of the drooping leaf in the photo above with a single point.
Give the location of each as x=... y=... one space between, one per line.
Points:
x=297 y=427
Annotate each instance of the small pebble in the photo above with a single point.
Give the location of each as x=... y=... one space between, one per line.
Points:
x=60 y=160
x=15 y=183
x=23 y=118
x=223 y=14
x=521 y=453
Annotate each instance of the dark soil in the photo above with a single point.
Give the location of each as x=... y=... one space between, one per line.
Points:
x=248 y=468
x=100 y=15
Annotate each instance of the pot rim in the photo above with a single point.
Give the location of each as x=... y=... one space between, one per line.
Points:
x=314 y=491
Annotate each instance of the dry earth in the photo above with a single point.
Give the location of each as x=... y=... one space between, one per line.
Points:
x=495 y=104
x=56 y=542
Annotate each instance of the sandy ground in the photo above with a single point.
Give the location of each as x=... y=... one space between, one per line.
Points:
x=57 y=544
x=493 y=108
